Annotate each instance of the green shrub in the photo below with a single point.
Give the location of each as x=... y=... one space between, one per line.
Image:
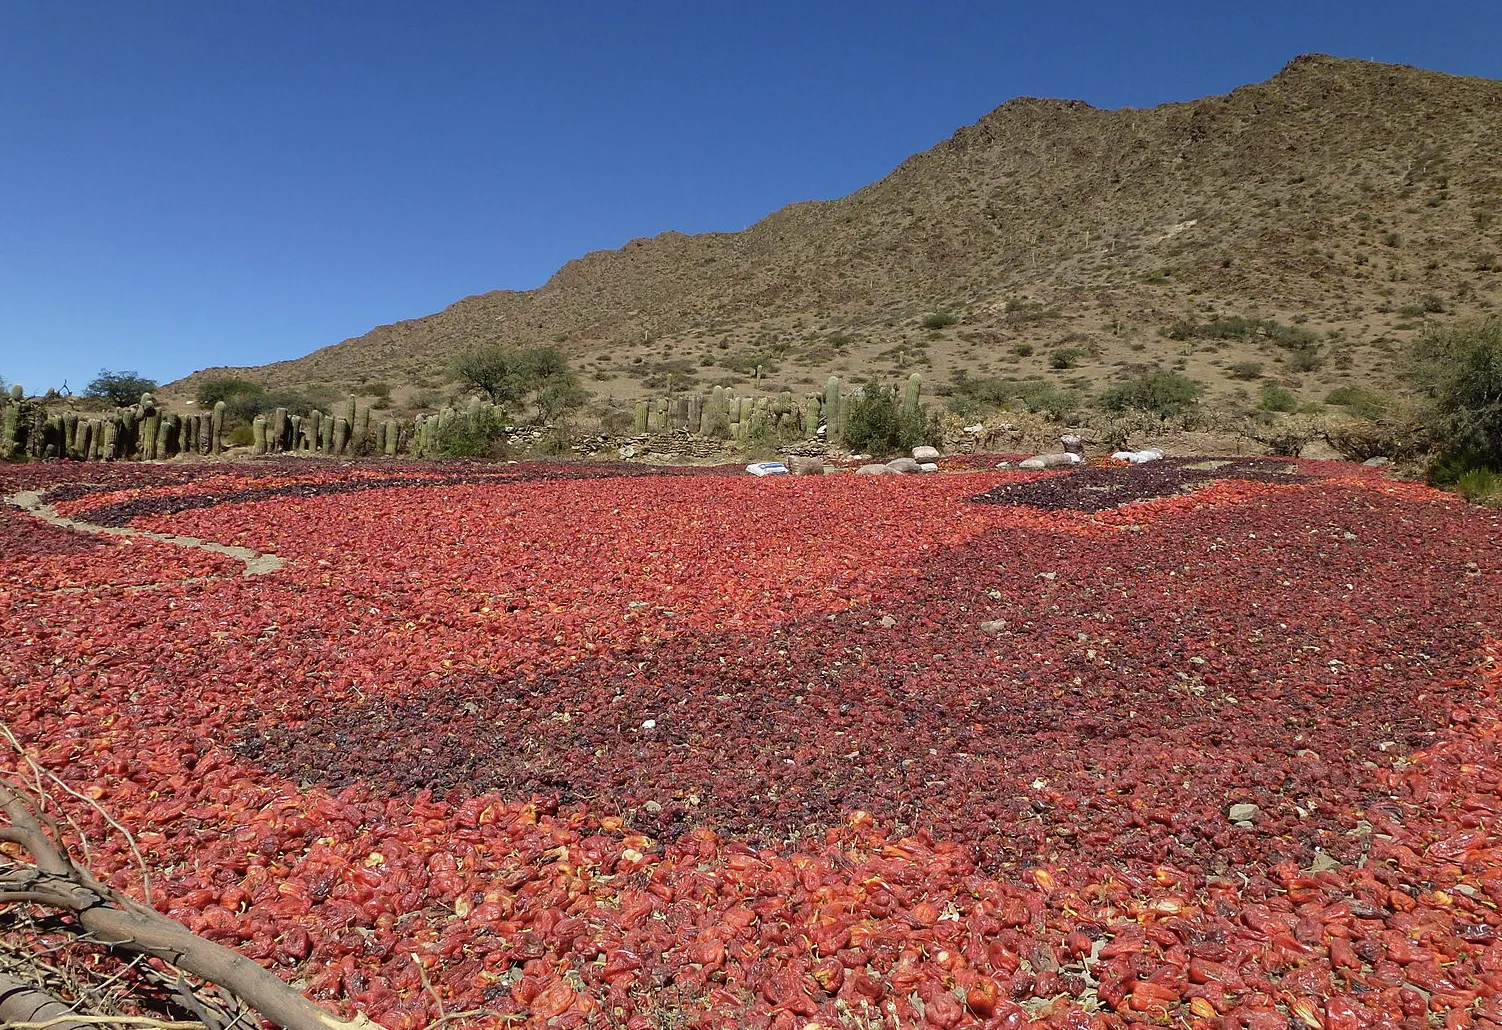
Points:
x=222 y=388
x=482 y=435
x=1023 y=350
x=939 y=320
x=556 y=442
x=1308 y=359
x=1239 y=327
x=972 y=397
x=1458 y=372
x=1480 y=486
x=1277 y=398
x=1360 y=403
x=877 y=423
x=1245 y=370
x=1066 y=357
x=1160 y=393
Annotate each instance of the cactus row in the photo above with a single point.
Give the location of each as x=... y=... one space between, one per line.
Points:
x=145 y=432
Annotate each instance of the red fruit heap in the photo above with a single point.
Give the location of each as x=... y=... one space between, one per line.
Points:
x=595 y=748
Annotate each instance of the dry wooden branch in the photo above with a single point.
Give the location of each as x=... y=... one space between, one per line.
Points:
x=22 y=1004
x=124 y=925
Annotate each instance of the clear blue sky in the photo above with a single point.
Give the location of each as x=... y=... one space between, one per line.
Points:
x=185 y=184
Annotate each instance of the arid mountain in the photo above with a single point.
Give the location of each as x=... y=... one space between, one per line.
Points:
x=1355 y=201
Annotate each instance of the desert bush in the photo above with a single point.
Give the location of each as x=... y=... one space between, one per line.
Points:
x=973 y=397
x=481 y=435
x=1360 y=403
x=1457 y=372
x=1283 y=435
x=555 y=442
x=1277 y=398
x=616 y=421
x=877 y=423
x=1159 y=393
x=939 y=320
x=1399 y=434
x=222 y=388
x=1480 y=486
x=1245 y=370
x=1306 y=359
x=1023 y=350
x=1066 y=357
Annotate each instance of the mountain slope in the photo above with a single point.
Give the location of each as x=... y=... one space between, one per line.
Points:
x=1353 y=198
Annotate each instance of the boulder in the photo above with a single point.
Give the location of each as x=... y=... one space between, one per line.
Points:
x=922 y=454
x=928 y=466
x=904 y=465
x=875 y=470
x=1072 y=444
x=805 y=466
x=1377 y=462
x=1050 y=461
x=1139 y=457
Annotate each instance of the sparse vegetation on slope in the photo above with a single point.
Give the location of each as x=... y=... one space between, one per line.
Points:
x=1311 y=224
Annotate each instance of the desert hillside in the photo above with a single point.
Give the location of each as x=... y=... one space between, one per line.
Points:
x=1295 y=232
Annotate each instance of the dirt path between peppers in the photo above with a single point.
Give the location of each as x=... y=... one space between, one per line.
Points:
x=256 y=563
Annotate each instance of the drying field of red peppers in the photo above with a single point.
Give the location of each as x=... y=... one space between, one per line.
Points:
x=1196 y=744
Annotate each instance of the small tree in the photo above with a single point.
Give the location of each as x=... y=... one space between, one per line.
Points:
x=119 y=388
x=513 y=377
x=1458 y=371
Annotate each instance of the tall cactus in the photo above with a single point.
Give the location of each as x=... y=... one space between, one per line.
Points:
x=832 y=406
x=147 y=448
x=359 y=431
x=258 y=435
x=165 y=434
x=10 y=431
x=278 y=438
x=911 y=392
x=340 y=440
x=810 y=414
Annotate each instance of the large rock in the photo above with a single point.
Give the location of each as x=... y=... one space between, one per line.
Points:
x=805 y=466
x=875 y=470
x=1050 y=461
x=922 y=454
x=904 y=465
x=1139 y=457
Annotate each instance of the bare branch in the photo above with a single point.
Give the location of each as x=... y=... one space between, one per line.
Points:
x=23 y=1005
x=42 y=773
